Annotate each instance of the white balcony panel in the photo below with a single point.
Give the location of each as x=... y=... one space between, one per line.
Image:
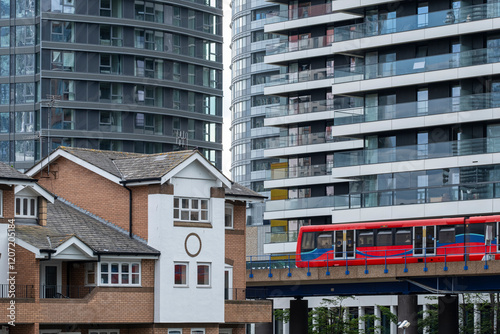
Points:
x=256 y=154
x=419 y=35
x=298 y=86
x=416 y=165
x=313 y=148
x=257 y=24
x=295 y=55
x=257 y=89
x=351 y=4
x=310 y=21
x=413 y=79
x=289 y=214
x=280 y=248
x=264 y=131
x=301 y=181
x=299 y=118
x=428 y=210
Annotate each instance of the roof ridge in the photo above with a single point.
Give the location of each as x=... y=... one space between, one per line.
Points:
x=101 y=220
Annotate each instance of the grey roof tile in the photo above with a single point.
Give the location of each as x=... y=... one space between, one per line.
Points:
x=240 y=191
x=8 y=172
x=64 y=222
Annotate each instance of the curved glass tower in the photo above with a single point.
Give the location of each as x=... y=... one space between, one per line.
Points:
x=127 y=75
x=249 y=76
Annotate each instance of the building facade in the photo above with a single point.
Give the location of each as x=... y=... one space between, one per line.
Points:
x=153 y=246
x=126 y=75
x=391 y=113
x=250 y=74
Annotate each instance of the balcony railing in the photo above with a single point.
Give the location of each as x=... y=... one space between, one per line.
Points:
x=394 y=25
x=16 y=291
x=417 y=152
x=65 y=291
x=300 y=13
x=391 y=197
x=273 y=237
x=304 y=139
x=416 y=65
x=302 y=76
x=352 y=111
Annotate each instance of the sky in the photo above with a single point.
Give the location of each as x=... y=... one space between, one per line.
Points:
x=226 y=77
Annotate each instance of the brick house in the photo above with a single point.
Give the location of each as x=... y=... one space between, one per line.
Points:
x=113 y=243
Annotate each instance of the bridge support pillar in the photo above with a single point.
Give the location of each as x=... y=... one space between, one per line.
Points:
x=408 y=310
x=298 y=316
x=448 y=314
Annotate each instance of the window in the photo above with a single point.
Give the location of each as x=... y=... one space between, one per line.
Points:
x=148 y=39
x=148 y=95
x=4 y=9
x=228 y=217
x=62 y=119
x=120 y=273
x=191 y=102
x=62 y=61
x=26 y=207
x=25 y=35
x=209 y=105
x=25 y=93
x=90 y=274
x=104 y=331
x=191 y=209
x=25 y=8
x=148 y=123
x=180 y=274
x=110 y=64
x=111 y=8
x=64 y=88
x=209 y=132
x=175 y=331
x=111 y=35
x=197 y=331
x=1 y=204
x=25 y=64
x=149 y=68
x=203 y=277
x=148 y=11
x=24 y=121
x=191 y=74
x=62 y=6
x=191 y=128
x=210 y=77
x=4 y=37
x=209 y=51
x=110 y=121
x=62 y=32
x=110 y=92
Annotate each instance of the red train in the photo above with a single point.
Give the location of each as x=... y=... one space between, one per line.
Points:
x=430 y=240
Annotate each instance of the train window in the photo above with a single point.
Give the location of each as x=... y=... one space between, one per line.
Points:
x=475 y=233
x=308 y=241
x=446 y=234
x=365 y=238
x=403 y=237
x=325 y=240
x=384 y=238
x=490 y=232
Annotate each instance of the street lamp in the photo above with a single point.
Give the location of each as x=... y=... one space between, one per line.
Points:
x=404 y=325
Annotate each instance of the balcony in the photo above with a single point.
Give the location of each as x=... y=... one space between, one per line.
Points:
x=304 y=139
x=65 y=291
x=422 y=195
x=417 y=152
x=303 y=76
x=352 y=111
x=415 y=65
x=274 y=237
x=394 y=25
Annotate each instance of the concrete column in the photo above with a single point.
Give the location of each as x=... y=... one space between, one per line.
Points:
x=477 y=319
x=378 y=316
x=286 y=328
x=408 y=310
x=425 y=309
x=298 y=316
x=448 y=314
x=394 y=327
x=361 y=323
x=264 y=328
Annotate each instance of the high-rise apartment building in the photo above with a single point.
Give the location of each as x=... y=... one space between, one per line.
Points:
x=127 y=75
x=248 y=104
x=392 y=112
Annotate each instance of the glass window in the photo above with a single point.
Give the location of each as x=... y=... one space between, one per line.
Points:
x=62 y=61
x=111 y=8
x=62 y=6
x=4 y=37
x=25 y=93
x=228 y=217
x=209 y=105
x=110 y=63
x=176 y=99
x=210 y=51
x=384 y=238
x=110 y=121
x=26 y=207
x=25 y=150
x=191 y=74
x=111 y=35
x=4 y=66
x=90 y=274
x=4 y=9
x=191 y=209
x=110 y=92
x=62 y=119
x=175 y=331
x=62 y=32
x=63 y=88
x=25 y=8
x=180 y=274
x=25 y=64
x=209 y=132
x=203 y=277
x=4 y=94
x=25 y=35
x=122 y=273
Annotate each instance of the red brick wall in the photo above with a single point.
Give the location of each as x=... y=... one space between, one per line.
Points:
x=28 y=270
x=98 y=195
x=8 y=203
x=235 y=249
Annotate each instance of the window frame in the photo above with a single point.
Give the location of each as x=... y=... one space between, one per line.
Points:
x=29 y=209
x=174 y=330
x=104 y=331
x=230 y=207
x=186 y=284
x=209 y=284
x=90 y=271
x=1 y=203
x=190 y=209
x=197 y=330
x=119 y=273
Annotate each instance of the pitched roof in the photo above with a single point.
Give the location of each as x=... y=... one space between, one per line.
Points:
x=238 y=190
x=65 y=221
x=8 y=172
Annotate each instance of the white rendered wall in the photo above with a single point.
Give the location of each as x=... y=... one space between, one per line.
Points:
x=3 y=254
x=189 y=304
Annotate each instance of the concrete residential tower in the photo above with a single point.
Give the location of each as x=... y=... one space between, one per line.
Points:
x=391 y=113
x=129 y=75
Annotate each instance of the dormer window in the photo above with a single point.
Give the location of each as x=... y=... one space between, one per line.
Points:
x=26 y=207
